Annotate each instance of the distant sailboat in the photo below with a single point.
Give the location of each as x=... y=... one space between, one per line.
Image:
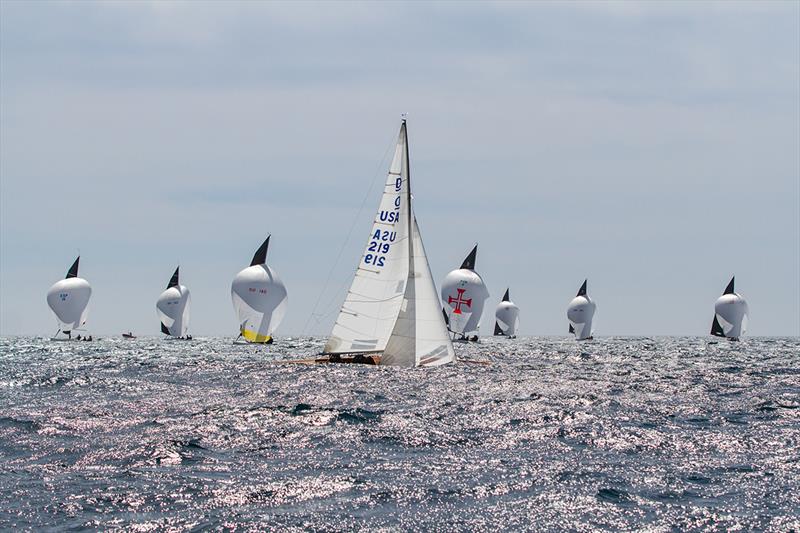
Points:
x=730 y=314
x=173 y=308
x=506 y=317
x=580 y=313
x=464 y=294
x=390 y=315
x=69 y=301
x=259 y=299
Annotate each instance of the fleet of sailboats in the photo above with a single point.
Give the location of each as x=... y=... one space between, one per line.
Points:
x=391 y=314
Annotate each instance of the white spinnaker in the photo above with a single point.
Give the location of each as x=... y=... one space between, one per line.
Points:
x=463 y=296
x=260 y=300
x=173 y=310
x=419 y=336
x=371 y=306
x=731 y=311
x=507 y=316
x=69 y=301
x=580 y=314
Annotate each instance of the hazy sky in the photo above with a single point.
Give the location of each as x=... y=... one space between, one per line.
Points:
x=651 y=147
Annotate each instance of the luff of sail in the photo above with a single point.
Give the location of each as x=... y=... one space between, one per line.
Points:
x=372 y=303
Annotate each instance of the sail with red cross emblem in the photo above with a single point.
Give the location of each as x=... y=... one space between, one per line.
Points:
x=463 y=296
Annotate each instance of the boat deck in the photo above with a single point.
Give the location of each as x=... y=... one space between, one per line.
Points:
x=327 y=359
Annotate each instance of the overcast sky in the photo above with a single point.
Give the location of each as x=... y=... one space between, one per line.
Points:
x=651 y=147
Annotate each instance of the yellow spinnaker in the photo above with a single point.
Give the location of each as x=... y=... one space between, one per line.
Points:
x=253 y=336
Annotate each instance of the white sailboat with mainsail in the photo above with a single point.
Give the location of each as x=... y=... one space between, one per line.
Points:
x=506 y=317
x=730 y=314
x=463 y=295
x=391 y=315
x=259 y=299
x=580 y=313
x=173 y=308
x=69 y=300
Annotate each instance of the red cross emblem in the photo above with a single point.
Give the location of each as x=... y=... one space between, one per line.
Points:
x=459 y=300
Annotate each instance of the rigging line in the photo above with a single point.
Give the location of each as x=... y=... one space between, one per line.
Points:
x=347 y=239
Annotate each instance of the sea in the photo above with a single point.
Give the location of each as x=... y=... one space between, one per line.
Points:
x=528 y=434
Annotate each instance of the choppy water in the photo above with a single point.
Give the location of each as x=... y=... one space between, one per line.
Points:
x=621 y=433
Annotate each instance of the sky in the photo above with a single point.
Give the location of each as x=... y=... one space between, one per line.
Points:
x=651 y=147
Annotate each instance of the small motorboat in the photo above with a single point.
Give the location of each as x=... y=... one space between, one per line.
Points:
x=128 y=335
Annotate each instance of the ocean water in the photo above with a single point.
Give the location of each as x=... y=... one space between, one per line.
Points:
x=647 y=434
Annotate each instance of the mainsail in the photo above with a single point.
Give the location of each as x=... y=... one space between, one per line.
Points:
x=370 y=307
x=392 y=307
x=259 y=298
x=506 y=317
x=69 y=299
x=173 y=307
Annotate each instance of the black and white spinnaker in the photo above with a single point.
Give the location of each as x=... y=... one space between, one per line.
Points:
x=463 y=295
x=730 y=314
x=259 y=299
x=69 y=301
x=506 y=317
x=580 y=314
x=173 y=308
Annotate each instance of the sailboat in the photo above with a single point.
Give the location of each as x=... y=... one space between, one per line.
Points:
x=173 y=308
x=506 y=318
x=69 y=301
x=464 y=294
x=580 y=313
x=730 y=314
x=259 y=299
x=390 y=315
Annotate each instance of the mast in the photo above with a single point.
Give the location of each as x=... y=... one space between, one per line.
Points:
x=411 y=275
x=408 y=199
